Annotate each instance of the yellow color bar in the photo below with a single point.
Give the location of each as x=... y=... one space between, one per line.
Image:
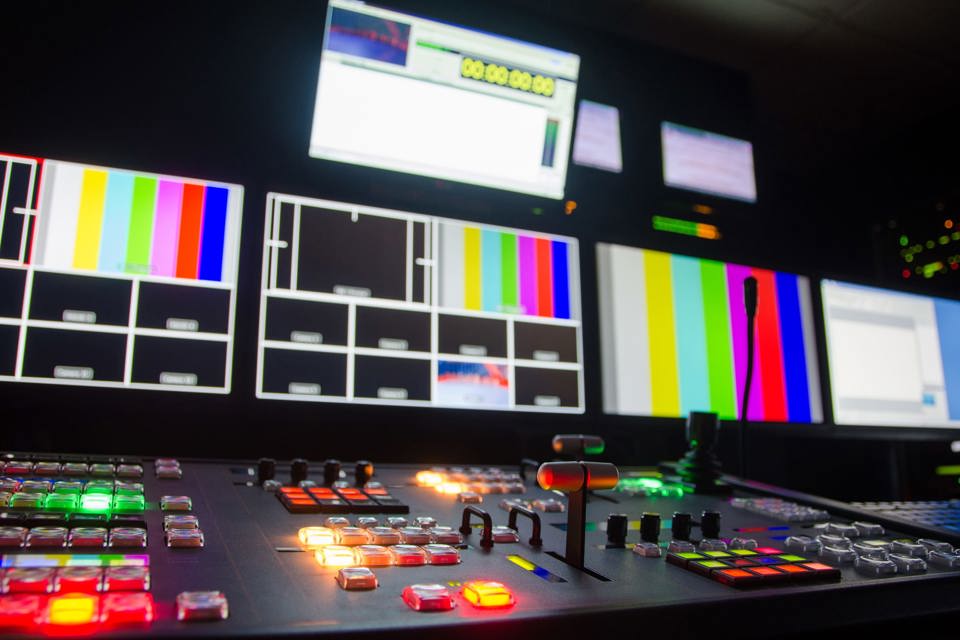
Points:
x=86 y=251
x=522 y=562
x=664 y=383
x=471 y=268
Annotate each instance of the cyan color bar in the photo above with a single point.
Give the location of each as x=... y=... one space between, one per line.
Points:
x=212 y=236
x=794 y=358
x=491 y=270
x=692 y=363
x=948 y=326
x=116 y=222
x=561 y=280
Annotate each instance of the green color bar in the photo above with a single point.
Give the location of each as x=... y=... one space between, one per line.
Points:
x=430 y=45
x=141 y=225
x=716 y=314
x=508 y=269
x=948 y=470
x=662 y=223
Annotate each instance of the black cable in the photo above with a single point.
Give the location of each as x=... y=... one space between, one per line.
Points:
x=750 y=303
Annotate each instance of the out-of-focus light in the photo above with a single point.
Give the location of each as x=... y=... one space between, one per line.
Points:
x=487 y=594
x=905 y=273
x=312 y=537
x=948 y=224
x=72 y=609
x=429 y=478
x=569 y=207
x=95 y=502
x=686 y=227
x=904 y=241
x=335 y=555
x=702 y=209
x=450 y=488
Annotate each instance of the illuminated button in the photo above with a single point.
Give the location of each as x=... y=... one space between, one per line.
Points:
x=425 y=522
x=908 y=548
x=46 y=469
x=743 y=553
x=838 y=555
x=769 y=574
x=128 y=504
x=95 y=502
x=12 y=536
x=335 y=555
x=681 y=546
x=168 y=473
x=908 y=564
x=875 y=568
x=824 y=572
x=706 y=566
x=127 y=608
x=740 y=562
x=24 y=500
x=550 y=505
x=184 y=538
x=74 y=469
x=129 y=471
x=18 y=468
x=414 y=535
x=397 y=522
x=87 y=537
x=797 y=572
x=870 y=551
x=408 y=555
x=373 y=555
x=366 y=522
x=180 y=522
x=46 y=537
x=72 y=609
x=684 y=557
x=469 y=497
x=486 y=594
x=936 y=545
x=503 y=534
x=712 y=544
x=743 y=543
x=9 y=484
x=441 y=554
x=68 y=487
x=35 y=486
x=28 y=580
x=384 y=535
x=647 y=549
x=446 y=535
x=832 y=540
x=102 y=487
x=201 y=605
x=130 y=578
x=789 y=557
x=428 y=597
x=128 y=488
x=20 y=610
x=61 y=502
x=736 y=577
x=846 y=530
x=102 y=470
x=313 y=537
x=769 y=560
x=803 y=544
x=335 y=522
x=717 y=555
x=78 y=579
x=944 y=559
x=127 y=537
x=869 y=528
x=356 y=579
x=351 y=536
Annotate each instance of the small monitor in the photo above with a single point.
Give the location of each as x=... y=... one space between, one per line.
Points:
x=597 y=140
x=409 y=94
x=707 y=162
x=673 y=334
x=894 y=357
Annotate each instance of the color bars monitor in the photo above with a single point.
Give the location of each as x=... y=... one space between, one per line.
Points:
x=414 y=95
x=894 y=357
x=673 y=338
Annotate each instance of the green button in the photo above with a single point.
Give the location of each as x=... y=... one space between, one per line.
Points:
x=689 y=555
x=129 y=489
x=30 y=500
x=716 y=554
x=792 y=558
x=128 y=503
x=61 y=502
x=102 y=487
x=743 y=552
x=95 y=502
x=712 y=564
x=67 y=487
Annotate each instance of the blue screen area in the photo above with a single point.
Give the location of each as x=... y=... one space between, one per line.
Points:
x=948 y=326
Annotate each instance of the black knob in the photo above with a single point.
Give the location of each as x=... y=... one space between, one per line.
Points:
x=331 y=472
x=650 y=527
x=710 y=524
x=266 y=469
x=363 y=472
x=616 y=530
x=299 y=468
x=682 y=522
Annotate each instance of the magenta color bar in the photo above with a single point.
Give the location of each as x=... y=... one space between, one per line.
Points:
x=526 y=247
x=738 y=326
x=166 y=229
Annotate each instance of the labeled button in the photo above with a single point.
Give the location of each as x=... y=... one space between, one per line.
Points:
x=648 y=549
x=502 y=534
x=944 y=560
x=335 y=555
x=407 y=555
x=46 y=537
x=28 y=580
x=78 y=579
x=833 y=540
x=869 y=529
x=72 y=609
x=20 y=610
x=373 y=555
x=131 y=578
x=201 y=605
x=127 y=608
x=180 y=522
x=384 y=535
x=428 y=597
x=803 y=544
x=128 y=537
x=446 y=535
x=441 y=554
x=414 y=535
x=356 y=579
x=184 y=538
x=176 y=503
x=839 y=529
x=351 y=536
x=487 y=594
x=936 y=545
x=870 y=551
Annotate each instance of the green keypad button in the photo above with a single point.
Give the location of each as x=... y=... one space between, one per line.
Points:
x=743 y=552
x=716 y=554
x=792 y=558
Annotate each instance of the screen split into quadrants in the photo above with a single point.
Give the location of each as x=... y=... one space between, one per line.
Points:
x=116 y=278
x=388 y=307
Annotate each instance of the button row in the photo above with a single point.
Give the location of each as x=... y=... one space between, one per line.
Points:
x=781 y=509
x=374 y=555
x=53 y=468
x=747 y=568
x=74 y=579
x=77 y=519
x=167 y=469
x=62 y=537
x=373 y=498
x=313 y=537
x=182 y=532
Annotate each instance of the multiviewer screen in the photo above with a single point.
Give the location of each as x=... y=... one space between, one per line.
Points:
x=707 y=162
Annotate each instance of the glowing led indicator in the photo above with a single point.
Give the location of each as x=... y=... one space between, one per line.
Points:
x=429 y=478
x=335 y=556
x=95 y=502
x=312 y=537
x=904 y=241
x=450 y=488
x=486 y=594
x=72 y=609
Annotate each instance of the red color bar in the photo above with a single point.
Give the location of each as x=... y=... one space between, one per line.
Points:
x=191 y=219
x=769 y=348
x=544 y=278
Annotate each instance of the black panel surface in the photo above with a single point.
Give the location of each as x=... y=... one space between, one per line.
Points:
x=153 y=357
x=17 y=192
x=377 y=375
x=550 y=383
x=9 y=338
x=47 y=349
x=285 y=252
x=281 y=367
x=549 y=340
x=459 y=334
x=11 y=292
x=157 y=303
x=54 y=293
x=375 y=325
x=286 y=317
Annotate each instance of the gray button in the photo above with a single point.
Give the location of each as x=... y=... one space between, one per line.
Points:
x=935 y=545
x=838 y=555
x=908 y=564
x=647 y=549
x=944 y=560
x=869 y=551
x=869 y=528
x=831 y=540
x=908 y=548
x=712 y=544
x=743 y=543
x=875 y=568
x=681 y=546
x=803 y=544
x=839 y=529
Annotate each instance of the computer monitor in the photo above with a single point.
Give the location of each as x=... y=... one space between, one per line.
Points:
x=410 y=94
x=894 y=357
x=674 y=338
x=707 y=162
